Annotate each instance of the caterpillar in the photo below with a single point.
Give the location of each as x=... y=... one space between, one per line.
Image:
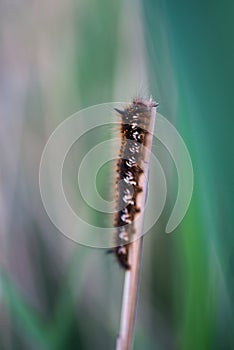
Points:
x=135 y=119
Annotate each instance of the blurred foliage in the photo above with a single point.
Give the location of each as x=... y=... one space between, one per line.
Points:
x=197 y=36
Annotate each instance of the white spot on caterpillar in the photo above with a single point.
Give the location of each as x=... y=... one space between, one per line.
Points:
x=124 y=235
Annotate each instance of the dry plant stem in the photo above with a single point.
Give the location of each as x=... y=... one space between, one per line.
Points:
x=131 y=282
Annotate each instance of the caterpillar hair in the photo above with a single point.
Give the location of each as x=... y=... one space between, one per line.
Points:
x=135 y=119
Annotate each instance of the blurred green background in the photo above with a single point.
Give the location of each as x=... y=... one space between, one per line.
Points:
x=58 y=57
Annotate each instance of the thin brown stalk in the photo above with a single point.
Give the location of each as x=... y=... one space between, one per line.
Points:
x=131 y=282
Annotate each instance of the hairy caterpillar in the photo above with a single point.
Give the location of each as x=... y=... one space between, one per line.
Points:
x=135 y=119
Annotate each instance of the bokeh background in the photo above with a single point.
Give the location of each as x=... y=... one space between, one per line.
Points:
x=57 y=57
